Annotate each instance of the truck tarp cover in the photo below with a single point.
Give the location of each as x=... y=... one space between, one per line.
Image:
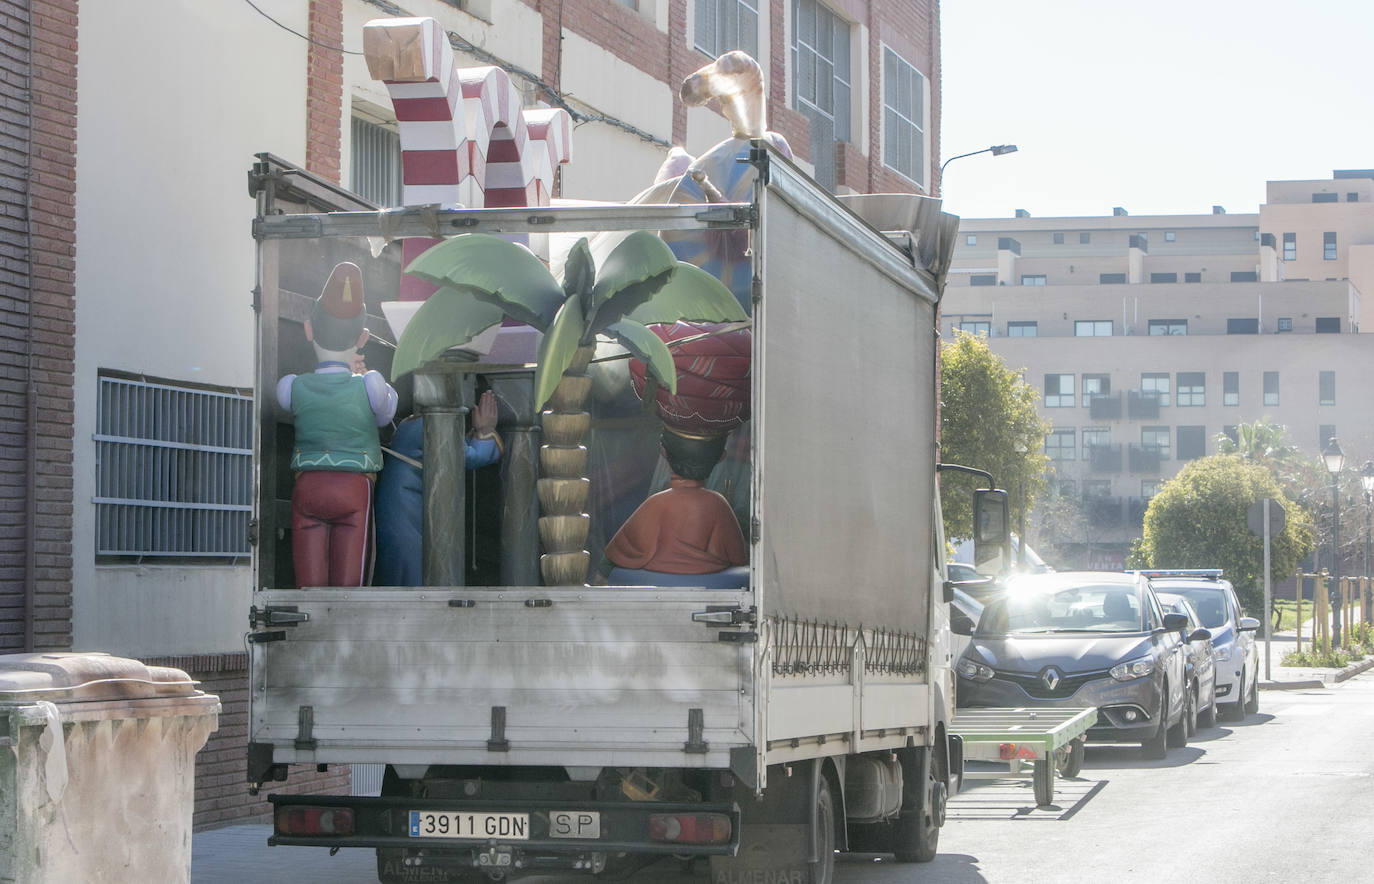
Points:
x=845 y=355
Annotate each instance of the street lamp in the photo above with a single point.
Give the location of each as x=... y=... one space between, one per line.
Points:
x=1022 y=449
x=1367 y=480
x=1334 y=459
x=996 y=150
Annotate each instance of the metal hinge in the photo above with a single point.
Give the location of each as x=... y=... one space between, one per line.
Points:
x=755 y=530
x=305 y=729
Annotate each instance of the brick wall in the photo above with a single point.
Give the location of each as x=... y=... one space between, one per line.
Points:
x=37 y=262
x=324 y=89
x=222 y=766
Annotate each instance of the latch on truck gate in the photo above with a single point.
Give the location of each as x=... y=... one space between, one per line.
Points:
x=273 y=615
x=729 y=615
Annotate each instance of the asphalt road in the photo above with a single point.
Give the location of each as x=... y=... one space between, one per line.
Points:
x=1283 y=796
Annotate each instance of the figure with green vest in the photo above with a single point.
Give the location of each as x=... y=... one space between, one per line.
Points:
x=337 y=409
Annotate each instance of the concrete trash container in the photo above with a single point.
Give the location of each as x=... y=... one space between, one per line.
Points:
x=97 y=768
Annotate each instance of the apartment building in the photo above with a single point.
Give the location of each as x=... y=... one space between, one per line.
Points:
x=1149 y=337
x=129 y=260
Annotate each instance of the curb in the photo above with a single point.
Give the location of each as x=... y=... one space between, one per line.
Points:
x=1291 y=685
x=1354 y=669
x=1336 y=677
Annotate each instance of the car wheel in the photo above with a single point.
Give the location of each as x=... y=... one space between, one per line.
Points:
x=1236 y=711
x=1178 y=734
x=1190 y=709
x=1209 y=718
x=1070 y=762
x=1252 y=701
x=1156 y=747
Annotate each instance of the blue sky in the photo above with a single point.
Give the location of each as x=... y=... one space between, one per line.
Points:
x=1165 y=107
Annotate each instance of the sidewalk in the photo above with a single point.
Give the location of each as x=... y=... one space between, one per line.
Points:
x=1292 y=678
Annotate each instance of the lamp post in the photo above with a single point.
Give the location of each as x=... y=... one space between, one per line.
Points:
x=1021 y=450
x=1334 y=459
x=1367 y=480
x=996 y=150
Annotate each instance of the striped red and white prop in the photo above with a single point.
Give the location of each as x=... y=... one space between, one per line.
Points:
x=465 y=139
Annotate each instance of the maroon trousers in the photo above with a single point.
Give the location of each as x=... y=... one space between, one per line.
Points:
x=331 y=528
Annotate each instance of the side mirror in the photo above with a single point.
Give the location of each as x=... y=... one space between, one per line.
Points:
x=1200 y=635
x=960 y=623
x=991 y=531
x=948 y=594
x=1175 y=622
x=1249 y=624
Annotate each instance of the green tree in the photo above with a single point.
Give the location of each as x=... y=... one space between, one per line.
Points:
x=987 y=413
x=1197 y=520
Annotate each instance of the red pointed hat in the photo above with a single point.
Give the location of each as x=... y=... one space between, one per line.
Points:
x=338 y=315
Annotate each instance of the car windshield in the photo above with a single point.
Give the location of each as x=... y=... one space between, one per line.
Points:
x=1082 y=608
x=1210 y=604
x=1176 y=604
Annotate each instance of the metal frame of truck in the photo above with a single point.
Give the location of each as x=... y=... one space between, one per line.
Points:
x=824 y=688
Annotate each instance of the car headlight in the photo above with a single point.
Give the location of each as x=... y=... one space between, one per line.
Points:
x=1222 y=654
x=973 y=670
x=1133 y=669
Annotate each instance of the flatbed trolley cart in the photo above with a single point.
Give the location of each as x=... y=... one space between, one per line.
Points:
x=1032 y=742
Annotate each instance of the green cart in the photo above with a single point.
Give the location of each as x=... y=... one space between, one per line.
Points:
x=1034 y=742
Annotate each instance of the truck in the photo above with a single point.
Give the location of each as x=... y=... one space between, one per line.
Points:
x=528 y=728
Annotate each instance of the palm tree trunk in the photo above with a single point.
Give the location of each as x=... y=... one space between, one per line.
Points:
x=563 y=487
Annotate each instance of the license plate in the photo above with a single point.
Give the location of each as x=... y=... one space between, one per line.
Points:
x=447 y=824
x=575 y=824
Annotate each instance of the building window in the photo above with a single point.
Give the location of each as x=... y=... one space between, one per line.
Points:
x=1325 y=433
x=174 y=471
x=1192 y=443
x=1149 y=488
x=1068 y=488
x=1271 y=388
x=1168 y=326
x=1032 y=279
x=1059 y=239
x=1290 y=247
x=1059 y=445
x=1168 y=236
x=1163 y=277
x=1328 y=325
x=983 y=279
x=1244 y=276
x=1231 y=432
x=1192 y=277
x=1111 y=278
x=1324 y=198
x=1095 y=385
x=1285 y=323
x=1059 y=391
x=1095 y=437
x=1242 y=326
x=971 y=240
x=1155 y=439
x=1230 y=388
x=376 y=163
x=1326 y=388
x=1192 y=388
x=977 y=327
x=1092 y=328
x=820 y=60
x=722 y=25
x=1352 y=197
x=1097 y=489
x=903 y=117
x=1085 y=238
x=1022 y=329
x=1329 y=246
x=1156 y=383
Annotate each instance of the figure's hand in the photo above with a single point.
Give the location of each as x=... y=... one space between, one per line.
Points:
x=358 y=364
x=484 y=415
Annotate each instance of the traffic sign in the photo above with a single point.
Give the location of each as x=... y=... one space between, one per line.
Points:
x=1254 y=517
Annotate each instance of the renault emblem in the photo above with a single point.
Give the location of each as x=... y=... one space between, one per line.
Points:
x=1050 y=677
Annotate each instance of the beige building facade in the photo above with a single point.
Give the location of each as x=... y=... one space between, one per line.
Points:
x=1149 y=337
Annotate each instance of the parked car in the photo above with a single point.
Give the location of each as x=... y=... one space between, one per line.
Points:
x=1083 y=638
x=976 y=585
x=1201 y=669
x=964 y=613
x=1233 y=637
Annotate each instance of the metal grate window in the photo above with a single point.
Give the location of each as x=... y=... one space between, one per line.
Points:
x=376 y=172
x=174 y=471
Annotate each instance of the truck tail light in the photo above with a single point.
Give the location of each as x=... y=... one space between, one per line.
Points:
x=305 y=820
x=690 y=828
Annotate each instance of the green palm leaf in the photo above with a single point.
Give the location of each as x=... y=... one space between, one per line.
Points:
x=494 y=271
x=557 y=349
x=649 y=348
x=451 y=317
x=631 y=274
x=692 y=294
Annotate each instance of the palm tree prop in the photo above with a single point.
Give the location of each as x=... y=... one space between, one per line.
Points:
x=482 y=279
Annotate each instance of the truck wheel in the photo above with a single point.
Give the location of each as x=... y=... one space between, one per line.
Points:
x=1043 y=780
x=823 y=869
x=916 y=833
x=1071 y=762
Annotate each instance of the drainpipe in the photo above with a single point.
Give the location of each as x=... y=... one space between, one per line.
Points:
x=31 y=393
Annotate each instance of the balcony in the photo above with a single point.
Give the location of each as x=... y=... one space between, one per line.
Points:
x=1105 y=407
x=1142 y=405
x=1144 y=459
x=1104 y=512
x=1104 y=458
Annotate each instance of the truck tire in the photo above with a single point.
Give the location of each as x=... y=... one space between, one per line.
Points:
x=823 y=869
x=916 y=833
x=1042 y=778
